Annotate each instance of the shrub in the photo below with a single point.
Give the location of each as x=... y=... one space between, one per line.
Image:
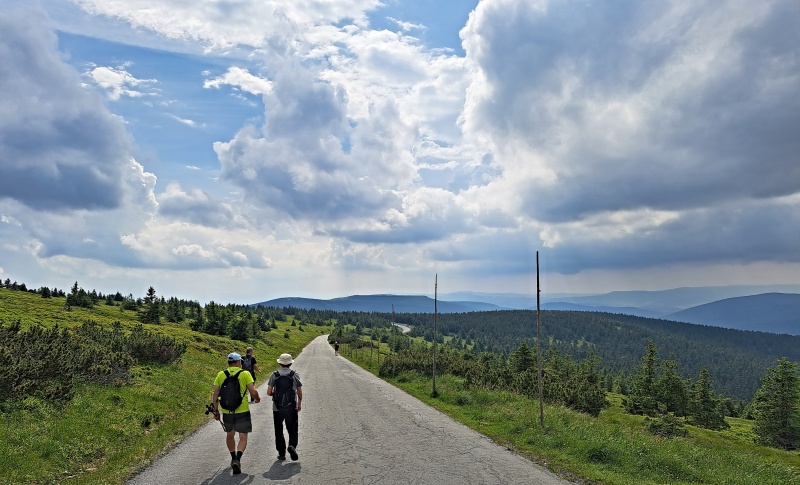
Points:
x=45 y=364
x=667 y=425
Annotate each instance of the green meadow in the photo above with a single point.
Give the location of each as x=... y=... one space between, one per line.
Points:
x=106 y=433
x=614 y=449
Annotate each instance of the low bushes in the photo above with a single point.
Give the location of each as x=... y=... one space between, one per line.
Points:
x=46 y=363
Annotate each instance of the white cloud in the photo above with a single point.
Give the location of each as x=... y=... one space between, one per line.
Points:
x=61 y=148
x=641 y=136
x=224 y=25
x=195 y=206
x=118 y=82
x=184 y=121
x=241 y=79
x=673 y=109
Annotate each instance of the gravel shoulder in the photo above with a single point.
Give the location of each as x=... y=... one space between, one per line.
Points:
x=354 y=429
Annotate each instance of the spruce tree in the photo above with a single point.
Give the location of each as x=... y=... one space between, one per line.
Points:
x=151 y=310
x=642 y=397
x=777 y=407
x=705 y=409
x=522 y=359
x=671 y=389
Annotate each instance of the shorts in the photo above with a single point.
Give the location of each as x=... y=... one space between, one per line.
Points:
x=239 y=422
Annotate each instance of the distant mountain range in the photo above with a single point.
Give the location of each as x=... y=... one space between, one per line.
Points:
x=770 y=312
x=773 y=308
x=383 y=304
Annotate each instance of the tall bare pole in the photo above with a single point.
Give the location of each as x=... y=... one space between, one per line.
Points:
x=435 y=298
x=539 y=345
x=394 y=345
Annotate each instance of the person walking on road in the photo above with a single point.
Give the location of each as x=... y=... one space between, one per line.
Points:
x=336 y=347
x=287 y=395
x=250 y=364
x=229 y=384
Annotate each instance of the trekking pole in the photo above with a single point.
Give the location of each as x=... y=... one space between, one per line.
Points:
x=210 y=410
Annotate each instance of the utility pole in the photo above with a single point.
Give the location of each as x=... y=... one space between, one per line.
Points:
x=539 y=346
x=394 y=345
x=435 y=297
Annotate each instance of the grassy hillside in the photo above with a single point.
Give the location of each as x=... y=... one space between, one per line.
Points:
x=736 y=359
x=106 y=433
x=613 y=449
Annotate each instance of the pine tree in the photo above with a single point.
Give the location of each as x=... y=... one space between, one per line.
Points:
x=521 y=359
x=151 y=310
x=705 y=409
x=777 y=407
x=590 y=395
x=641 y=399
x=671 y=389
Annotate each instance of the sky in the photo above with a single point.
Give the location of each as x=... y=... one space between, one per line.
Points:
x=239 y=151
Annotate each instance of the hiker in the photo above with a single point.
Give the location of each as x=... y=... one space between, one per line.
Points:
x=336 y=347
x=227 y=398
x=250 y=364
x=287 y=394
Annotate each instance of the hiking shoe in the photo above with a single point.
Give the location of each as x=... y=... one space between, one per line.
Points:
x=281 y=457
x=292 y=452
x=237 y=467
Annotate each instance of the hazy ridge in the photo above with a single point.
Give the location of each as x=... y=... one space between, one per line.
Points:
x=764 y=308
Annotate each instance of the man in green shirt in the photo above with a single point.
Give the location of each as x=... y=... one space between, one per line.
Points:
x=238 y=420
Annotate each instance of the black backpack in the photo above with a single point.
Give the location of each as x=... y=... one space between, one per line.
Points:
x=247 y=362
x=283 y=394
x=229 y=397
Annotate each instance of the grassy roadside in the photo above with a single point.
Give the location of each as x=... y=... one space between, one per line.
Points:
x=107 y=433
x=613 y=449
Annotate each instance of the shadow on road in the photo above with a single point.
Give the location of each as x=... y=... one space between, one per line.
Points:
x=278 y=471
x=282 y=470
x=226 y=477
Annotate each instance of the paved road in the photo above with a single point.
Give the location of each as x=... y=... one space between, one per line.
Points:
x=354 y=429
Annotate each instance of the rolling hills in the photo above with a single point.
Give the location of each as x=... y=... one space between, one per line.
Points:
x=771 y=312
x=382 y=304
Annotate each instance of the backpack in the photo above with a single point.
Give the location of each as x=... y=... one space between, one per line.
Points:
x=283 y=394
x=247 y=363
x=229 y=397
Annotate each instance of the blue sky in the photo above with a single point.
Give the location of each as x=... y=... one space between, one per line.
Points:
x=242 y=151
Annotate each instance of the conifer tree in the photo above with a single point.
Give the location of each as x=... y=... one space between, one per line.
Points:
x=521 y=359
x=671 y=389
x=641 y=399
x=151 y=309
x=705 y=409
x=777 y=407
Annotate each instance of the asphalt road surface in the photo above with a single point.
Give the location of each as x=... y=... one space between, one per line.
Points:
x=354 y=429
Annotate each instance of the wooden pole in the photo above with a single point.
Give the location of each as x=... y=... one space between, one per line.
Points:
x=394 y=360
x=539 y=345
x=435 y=297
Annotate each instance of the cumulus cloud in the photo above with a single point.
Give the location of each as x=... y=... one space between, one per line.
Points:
x=310 y=161
x=60 y=147
x=639 y=135
x=195 y=206
x=241 y=79
x=118 y=82
x=627 y=106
